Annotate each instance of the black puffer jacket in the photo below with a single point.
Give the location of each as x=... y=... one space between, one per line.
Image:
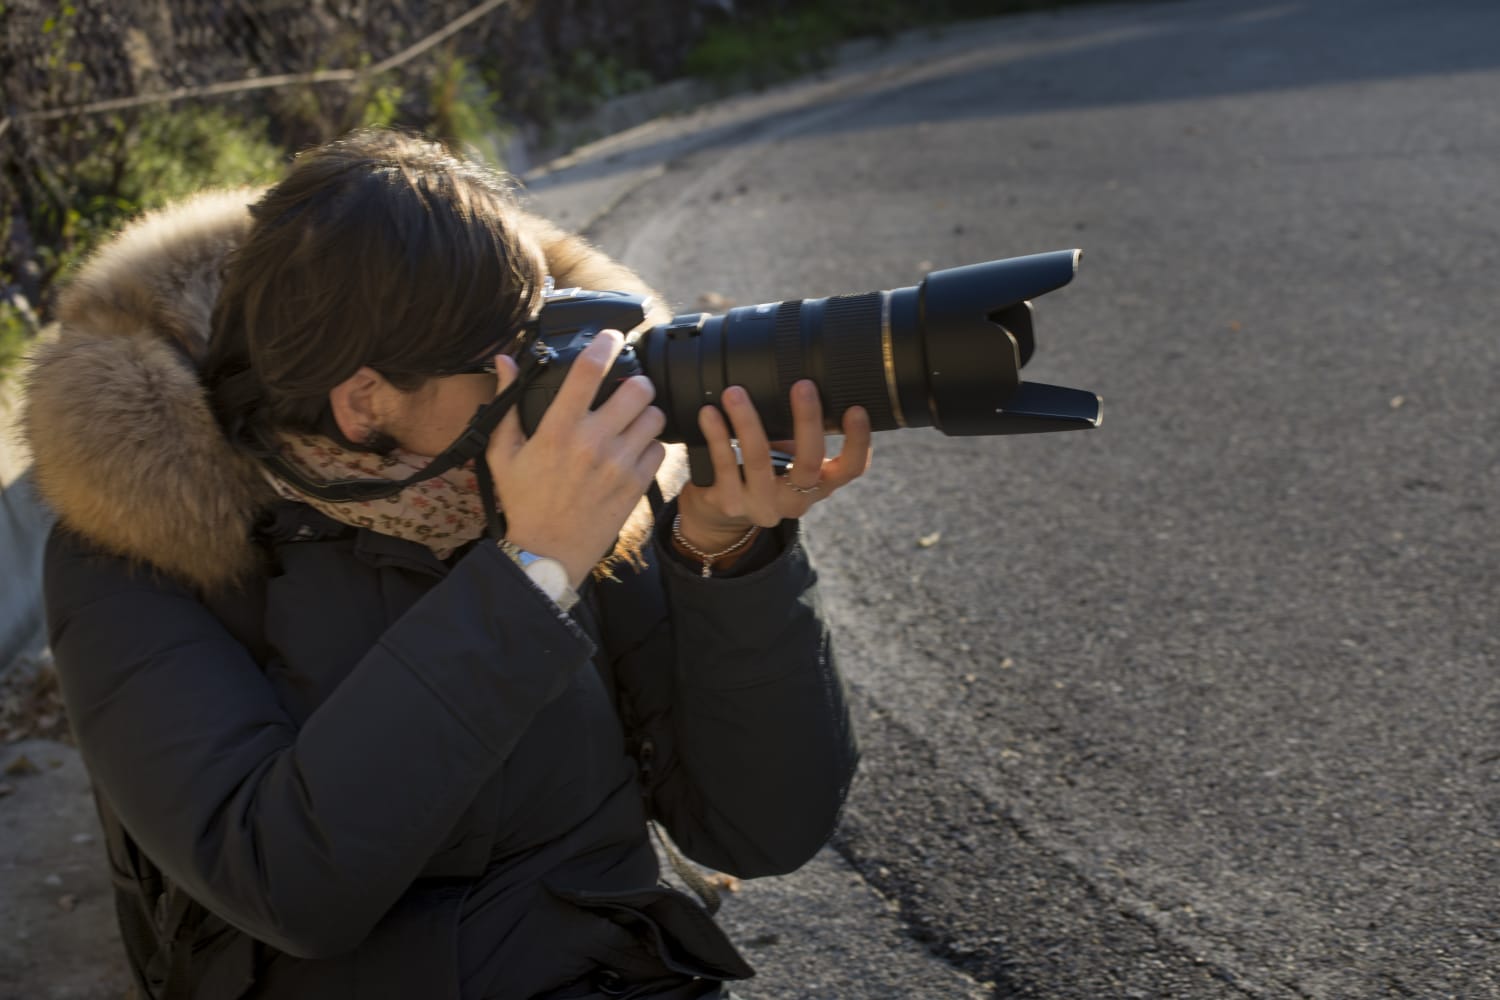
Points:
x=386 y=776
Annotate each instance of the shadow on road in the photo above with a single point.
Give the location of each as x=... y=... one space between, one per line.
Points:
x=1217 y=49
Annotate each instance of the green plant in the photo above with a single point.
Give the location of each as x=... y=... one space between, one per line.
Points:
x=181 y=151
x=589 y=78
x=464 y=108
x=764 y=51
x=783 y=39
x=382 y=104
x=147 y=161
x=573 y=87
x=759 y=50
x=15 y=337
x=117 y=167
x=151 y=160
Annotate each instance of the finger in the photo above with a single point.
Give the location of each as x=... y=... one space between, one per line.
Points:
x=641 y=431
x=854 y=459
x=728 y=489
x=807 y=426
x=755 y=450
x=508 y=436
x=625 y=405
x=576 y=394
x=650 y=461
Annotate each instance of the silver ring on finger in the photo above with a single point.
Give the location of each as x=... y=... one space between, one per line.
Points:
x=804 y=490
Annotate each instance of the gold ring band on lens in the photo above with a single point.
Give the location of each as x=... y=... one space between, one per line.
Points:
x=888 y=355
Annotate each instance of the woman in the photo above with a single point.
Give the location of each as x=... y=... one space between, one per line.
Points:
x=366 y=749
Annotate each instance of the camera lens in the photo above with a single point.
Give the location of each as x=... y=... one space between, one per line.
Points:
x=836 y=342
x=945 y=353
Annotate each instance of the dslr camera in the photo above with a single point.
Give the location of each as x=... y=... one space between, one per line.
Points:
x=945 y=353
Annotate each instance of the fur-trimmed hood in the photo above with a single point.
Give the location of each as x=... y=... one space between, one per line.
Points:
x=125 y=448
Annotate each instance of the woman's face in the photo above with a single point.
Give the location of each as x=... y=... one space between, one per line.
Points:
x=427 y=420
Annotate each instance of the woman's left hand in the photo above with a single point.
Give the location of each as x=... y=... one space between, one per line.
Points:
x=715 y=516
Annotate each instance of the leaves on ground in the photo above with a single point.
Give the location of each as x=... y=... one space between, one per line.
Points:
x=31 y=706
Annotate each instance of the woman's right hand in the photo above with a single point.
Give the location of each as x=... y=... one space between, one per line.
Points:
x=567 y=490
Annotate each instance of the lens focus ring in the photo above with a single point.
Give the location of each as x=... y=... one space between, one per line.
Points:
x=853 y=361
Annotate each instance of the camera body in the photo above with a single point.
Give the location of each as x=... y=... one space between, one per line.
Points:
x=566 y=324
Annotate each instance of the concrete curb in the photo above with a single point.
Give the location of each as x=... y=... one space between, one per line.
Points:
x=24 y=523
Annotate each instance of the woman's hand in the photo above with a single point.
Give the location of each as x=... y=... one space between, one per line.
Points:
x=567 y=490
x=714 y=517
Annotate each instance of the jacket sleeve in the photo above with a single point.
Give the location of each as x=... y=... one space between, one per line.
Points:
x=749 y=757
x=305 y=837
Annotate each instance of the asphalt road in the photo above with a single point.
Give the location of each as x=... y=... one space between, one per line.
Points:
x=1205 y=702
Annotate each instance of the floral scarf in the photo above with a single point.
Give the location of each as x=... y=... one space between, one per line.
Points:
x=443 y=513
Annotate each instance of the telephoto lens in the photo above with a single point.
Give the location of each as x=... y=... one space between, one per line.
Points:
x=945 y=353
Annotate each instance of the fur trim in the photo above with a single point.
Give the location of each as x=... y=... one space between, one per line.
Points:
x=125 y=448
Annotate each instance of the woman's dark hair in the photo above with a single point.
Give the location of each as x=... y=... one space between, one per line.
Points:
x=379 y=249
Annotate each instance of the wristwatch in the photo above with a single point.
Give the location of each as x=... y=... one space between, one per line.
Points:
x=549 y=575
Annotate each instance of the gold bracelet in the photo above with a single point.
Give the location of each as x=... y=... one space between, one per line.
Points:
x=708 y=559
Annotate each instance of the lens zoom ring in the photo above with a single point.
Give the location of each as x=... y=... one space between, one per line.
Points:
x=852 y=358
x=790 y=365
